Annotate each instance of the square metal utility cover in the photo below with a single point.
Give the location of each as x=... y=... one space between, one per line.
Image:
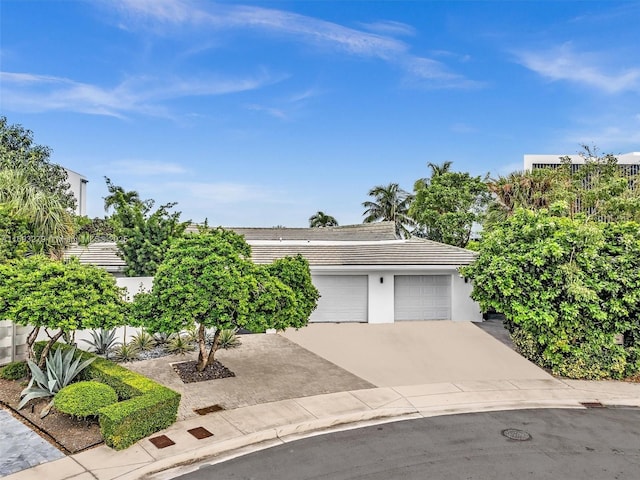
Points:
x=162 y=441
x=200 y=433
x=210 y=409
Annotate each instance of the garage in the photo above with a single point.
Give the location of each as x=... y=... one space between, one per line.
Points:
x=422 y=297
x=343 y=298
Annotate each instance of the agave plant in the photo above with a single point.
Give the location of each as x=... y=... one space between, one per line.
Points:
x=161 y=339
x=60 y=370
x=143 y=341
x=103 y=341
x=228 y=339
x=179 y=344
x=127 y=352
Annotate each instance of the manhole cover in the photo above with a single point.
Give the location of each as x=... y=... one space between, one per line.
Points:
x=162 y=441
x=210 y=409
x=515 y=434
x=200 y=433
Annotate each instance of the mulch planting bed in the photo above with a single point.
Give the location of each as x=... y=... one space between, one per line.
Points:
x=65 y=433
x=189 y=374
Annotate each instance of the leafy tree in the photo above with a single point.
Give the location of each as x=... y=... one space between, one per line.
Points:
x=19 y=152
x=13 y=235
x=321 y=219
x=446 y=207
x=59 y=297
x=294 y=273
x=49 y=222
x=534 y=190
x=144 y=235
x=208 y=280
x=567 y=287
x=391 y=203
x=600 y=188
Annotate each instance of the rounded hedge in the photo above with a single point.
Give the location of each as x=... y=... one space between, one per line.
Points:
x=84 y=399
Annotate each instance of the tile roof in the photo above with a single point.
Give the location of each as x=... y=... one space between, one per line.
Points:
x=359 y=232
x=414 y=251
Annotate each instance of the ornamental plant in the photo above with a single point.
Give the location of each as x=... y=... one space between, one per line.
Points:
x=84 y=399
x=60 y=371
x=207 y=281
x=59 y=297
x=569 y=288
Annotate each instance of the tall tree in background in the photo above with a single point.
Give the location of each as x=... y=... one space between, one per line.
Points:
x=19 y=152
x=144 y=235
x=529 y=190
x=446 y=206
x=390 y=203
x=321 y=219
x=48 y=221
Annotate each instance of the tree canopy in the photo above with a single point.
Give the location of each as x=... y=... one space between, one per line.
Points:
x=60 y=297
x=321 y=219
x=567 y=286
x=19 y=152
x=144 y=235
x=446 y=206
x=390 y=203
x=208 y=280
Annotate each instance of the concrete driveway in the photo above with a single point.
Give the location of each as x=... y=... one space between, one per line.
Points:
x=413 y=353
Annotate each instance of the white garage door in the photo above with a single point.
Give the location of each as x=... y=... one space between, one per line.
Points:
x=343 y=298
x=422 y=297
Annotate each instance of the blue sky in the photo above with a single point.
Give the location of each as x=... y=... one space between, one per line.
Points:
x=262 y=113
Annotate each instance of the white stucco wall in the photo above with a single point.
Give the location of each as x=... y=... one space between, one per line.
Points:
x=381 y=297
x=135 y=285
x=78 y=186
x=463 y=307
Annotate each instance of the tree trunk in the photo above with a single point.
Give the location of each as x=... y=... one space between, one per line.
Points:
x=47 y=348
x=202 y=347
x=31 y=339
x=214 y=347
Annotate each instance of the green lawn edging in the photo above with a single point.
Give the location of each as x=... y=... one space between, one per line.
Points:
x=145 y=406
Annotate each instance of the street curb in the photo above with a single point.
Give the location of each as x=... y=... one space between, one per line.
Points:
x=226 y=450
x=271 y=437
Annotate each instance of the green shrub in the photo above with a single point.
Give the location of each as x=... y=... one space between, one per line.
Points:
x=228 y=339
x=179 y=345
x=61 y=369
x=103 y=341
x=84 y=399
x=14 y=371
x=143 y=341
x=127 y=352
x=146 y=406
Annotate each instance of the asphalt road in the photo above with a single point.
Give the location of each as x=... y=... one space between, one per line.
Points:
x=564 y=444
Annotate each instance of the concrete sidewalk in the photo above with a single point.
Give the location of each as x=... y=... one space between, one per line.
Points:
x=259 y=426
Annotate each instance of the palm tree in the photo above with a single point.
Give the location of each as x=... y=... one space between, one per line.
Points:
x=321 y=219
x=49 y=221
x=436 y=169
x=391 y=203
x=529 y=189
x=118 y=195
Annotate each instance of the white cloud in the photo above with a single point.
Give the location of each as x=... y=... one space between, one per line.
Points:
x=224 y=192
x=37 y=93
x=144 y=167
x=310 y=30
x=586 y=68
x=389 y=27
